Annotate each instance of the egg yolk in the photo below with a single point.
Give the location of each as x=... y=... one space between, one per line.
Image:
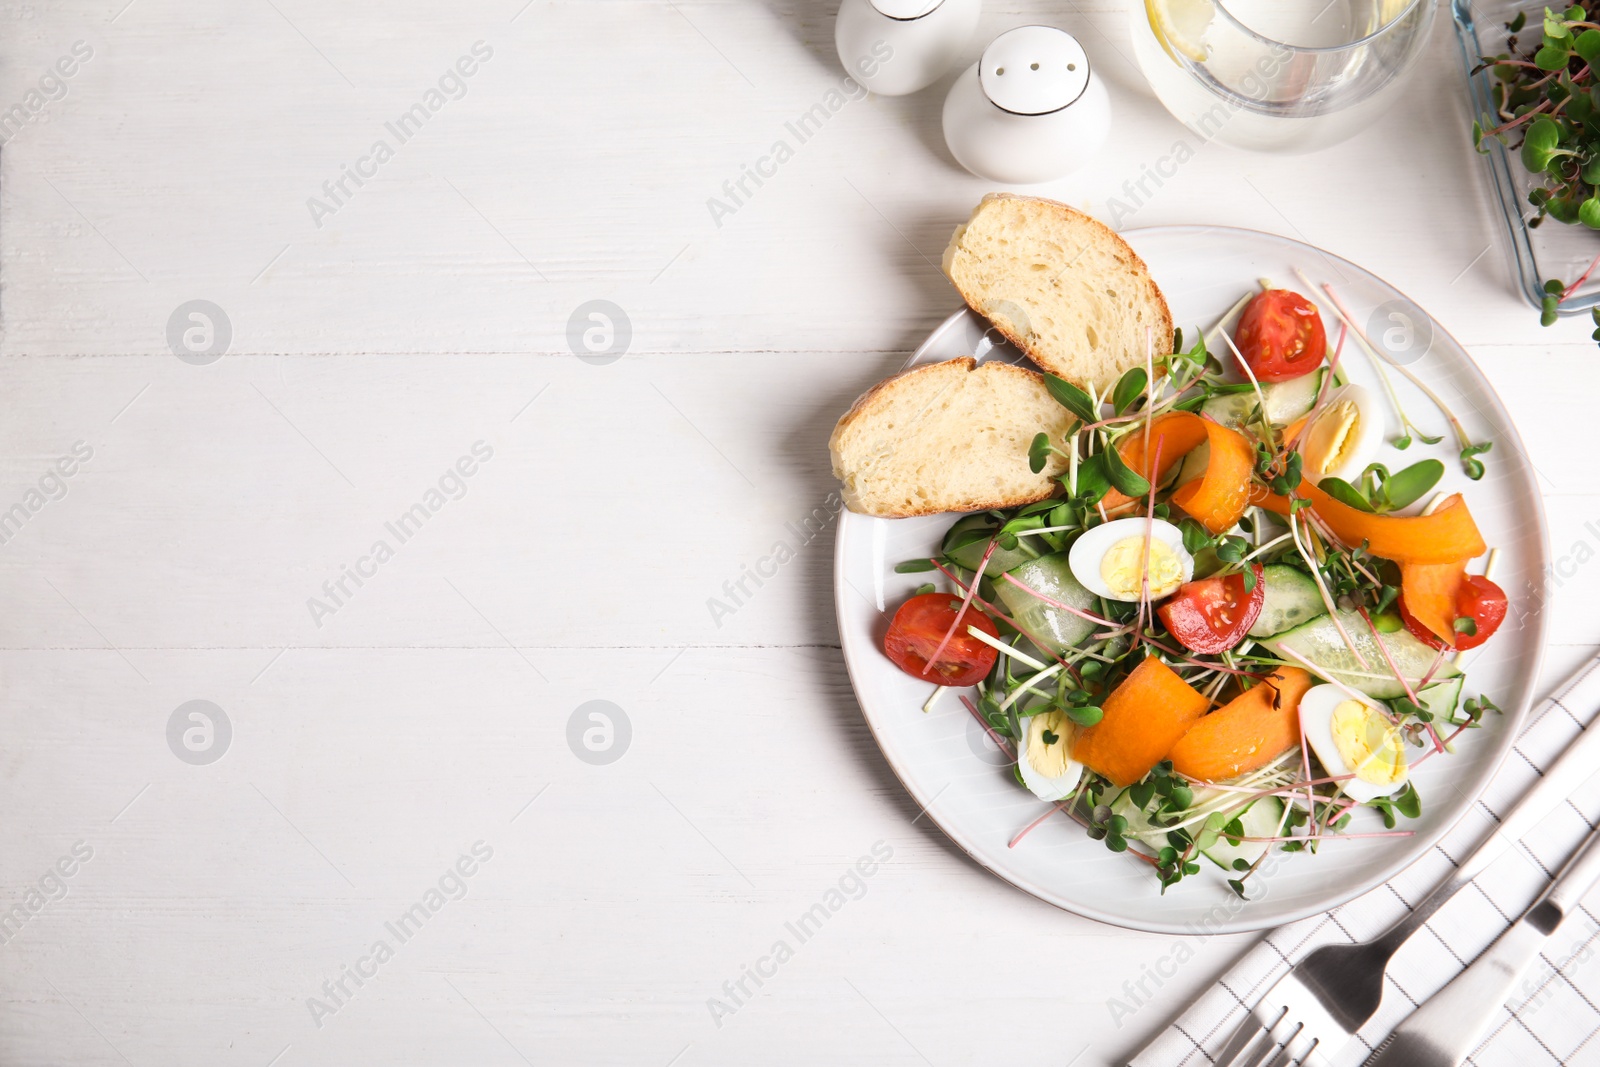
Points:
x=1330 y=439
x=1048 y=734
x=1122 y=568
x=1369 y=744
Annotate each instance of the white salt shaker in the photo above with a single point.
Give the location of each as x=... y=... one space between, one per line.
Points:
x=1030 y=110
x=895 y=47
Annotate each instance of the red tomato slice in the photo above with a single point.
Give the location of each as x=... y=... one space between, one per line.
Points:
x=1280 y=335
x=1480 y=600
x=918 y=627
x=1213 y=614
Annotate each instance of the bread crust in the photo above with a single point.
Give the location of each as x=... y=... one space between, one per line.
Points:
x=1047 y=360
x=863 y=407
x=876 y=399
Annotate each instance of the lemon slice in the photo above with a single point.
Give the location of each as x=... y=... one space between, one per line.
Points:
x=1179 y=25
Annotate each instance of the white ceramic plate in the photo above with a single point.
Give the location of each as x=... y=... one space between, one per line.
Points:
x=948 y=764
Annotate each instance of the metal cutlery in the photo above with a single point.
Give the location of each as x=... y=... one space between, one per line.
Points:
x=1320 y=1004
x=1449 y=1024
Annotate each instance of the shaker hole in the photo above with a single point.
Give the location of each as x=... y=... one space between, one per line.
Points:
x=1033 y=66
x=999 y=70
x=1072 y=66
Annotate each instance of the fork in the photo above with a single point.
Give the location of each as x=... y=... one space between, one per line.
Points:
x=1315 y=1009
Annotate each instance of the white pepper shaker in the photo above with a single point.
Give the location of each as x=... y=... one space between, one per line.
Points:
x=895 y=47
x=1029 y=111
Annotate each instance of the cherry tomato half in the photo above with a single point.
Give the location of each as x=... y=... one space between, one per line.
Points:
x=918 y=627
x=1280 y=335
x=1213 y=614
x=1480 y=600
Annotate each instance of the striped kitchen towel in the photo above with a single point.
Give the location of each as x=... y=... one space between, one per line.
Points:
x=1554 y=1018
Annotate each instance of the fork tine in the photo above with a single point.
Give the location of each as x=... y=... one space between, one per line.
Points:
x=1316 y=1056
x=1248 y=1027
x=1248 y=1037
x=1259 y=1050
x=1279 y=1060
x=1269 y=1053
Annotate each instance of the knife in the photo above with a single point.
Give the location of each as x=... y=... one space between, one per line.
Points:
x=1343 y=984
x=1449 y=1025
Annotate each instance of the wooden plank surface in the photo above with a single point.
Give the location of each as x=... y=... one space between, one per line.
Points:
x=375 y=740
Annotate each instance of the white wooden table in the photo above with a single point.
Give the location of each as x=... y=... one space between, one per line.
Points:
x=423 y=314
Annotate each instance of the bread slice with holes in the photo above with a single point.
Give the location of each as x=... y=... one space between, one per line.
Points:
x=950 y=436
x=1061 y=286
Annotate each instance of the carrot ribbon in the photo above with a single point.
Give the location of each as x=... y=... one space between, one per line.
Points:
x=1218 y=498
x=1446 y=535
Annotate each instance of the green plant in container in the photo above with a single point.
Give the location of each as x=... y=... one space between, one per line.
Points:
x=1546 y=91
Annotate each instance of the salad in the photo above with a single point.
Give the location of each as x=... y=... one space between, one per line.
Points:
x=1230 y=625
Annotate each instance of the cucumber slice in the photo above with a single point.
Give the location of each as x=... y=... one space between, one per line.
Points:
x=1260 y=819
x=1319 y=642
x=1291 y=599
x=1230 y=409
x=1211 y=829
x=1139 y=824
x=1286 y=401
x=1442 y=698
x=970 y=555
x=1194 y=464
x=1052 y=577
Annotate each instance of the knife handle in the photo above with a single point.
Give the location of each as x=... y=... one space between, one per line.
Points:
x=1563 y=895
x=1448 y=1025
x=1444 y=1030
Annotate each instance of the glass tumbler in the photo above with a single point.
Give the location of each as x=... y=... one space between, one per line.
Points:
x=1278 y=75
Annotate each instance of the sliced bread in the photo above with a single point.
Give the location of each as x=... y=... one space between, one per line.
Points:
x=1061 y=286
x=950 y=436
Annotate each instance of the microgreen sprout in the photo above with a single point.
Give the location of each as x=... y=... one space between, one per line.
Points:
x=1378 y=491
x=1469 y=448
x=1469 y=453
x=1407 y=802
x=1165 y=819
x=1545 y=91
x=1072 y=398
